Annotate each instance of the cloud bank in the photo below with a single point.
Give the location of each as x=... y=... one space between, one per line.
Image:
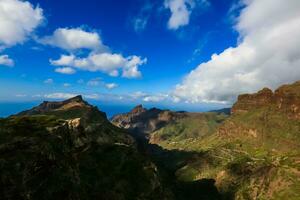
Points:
x=268 y=55
x=108 y=63
x=111 y=86
x=99 y=59
x=73 y=38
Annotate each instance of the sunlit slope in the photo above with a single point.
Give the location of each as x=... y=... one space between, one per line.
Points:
x=254 y=154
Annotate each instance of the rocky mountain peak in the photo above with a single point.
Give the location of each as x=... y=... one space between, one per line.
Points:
x=73 y=103
x=265 y=92
x=138 y=109
x=77 y=98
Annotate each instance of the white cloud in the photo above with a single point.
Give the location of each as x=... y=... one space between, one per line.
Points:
x=99 y=59
x=64 y=60
x=74 y=38
x=92 y=96
x=146 y=97
x=94 y=82
x=18 y=19
x=111 y=85
x=138 y=94
x=5 y=60
x=66 y=84
x=62 y=95
x=180 y=13
x=131 y=67
x=65 y=70
x=105 y=62
x=268 y=55
x=59 y=95
x=155 y=98
x=48 y=81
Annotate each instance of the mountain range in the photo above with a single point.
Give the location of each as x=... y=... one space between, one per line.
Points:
x=70 y=150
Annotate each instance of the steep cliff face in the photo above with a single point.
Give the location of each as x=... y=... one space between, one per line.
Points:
x=69 y=150
x=248 y=102
x=285 y=99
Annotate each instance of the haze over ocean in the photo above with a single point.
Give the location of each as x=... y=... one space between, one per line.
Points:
x=7 y=109
x=10 y=108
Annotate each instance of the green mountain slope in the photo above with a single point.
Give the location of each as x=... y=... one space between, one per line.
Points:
x=255 y=153
x=185 y=130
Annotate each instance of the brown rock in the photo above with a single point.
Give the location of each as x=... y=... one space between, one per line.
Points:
x=248 y=102
x=286 y=99
x=138 y=109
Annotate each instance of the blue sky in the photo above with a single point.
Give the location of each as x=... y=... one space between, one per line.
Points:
x=169 y=52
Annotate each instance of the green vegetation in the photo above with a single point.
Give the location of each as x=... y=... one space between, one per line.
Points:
x=187 y=129
x=253 y=155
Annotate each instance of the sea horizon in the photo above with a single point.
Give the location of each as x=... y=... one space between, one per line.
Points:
x=10 y=108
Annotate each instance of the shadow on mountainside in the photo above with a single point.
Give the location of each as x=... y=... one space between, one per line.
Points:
x=169 y=161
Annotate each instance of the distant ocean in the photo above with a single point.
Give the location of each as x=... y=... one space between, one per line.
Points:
x=7 y=109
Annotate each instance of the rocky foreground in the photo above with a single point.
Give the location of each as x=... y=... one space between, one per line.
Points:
x=70 y=150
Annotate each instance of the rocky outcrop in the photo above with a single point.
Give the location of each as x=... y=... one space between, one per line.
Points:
x=71 y=108
x=47 y=106
x=285 y=99
x=248 y=102
x=126 y=120
x=138 y=110
x=141 y=121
